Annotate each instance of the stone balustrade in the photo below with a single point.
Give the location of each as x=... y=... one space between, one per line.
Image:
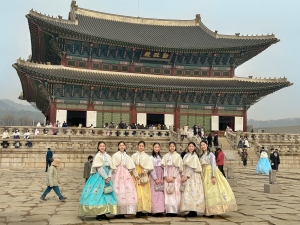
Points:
x=288 y=145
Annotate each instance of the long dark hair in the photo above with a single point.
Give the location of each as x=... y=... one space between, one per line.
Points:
x=172 y=142
x=193 y=143
x=153 y=153
x=208 y=150
x=120 y=142
x=100 y=142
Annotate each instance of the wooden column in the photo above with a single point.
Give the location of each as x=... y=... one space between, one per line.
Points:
x=232 y=72
x=176 y=118
x=52 y=112
x=245 y=120
x=211 y=72
x=133 y=114
x=64 y=59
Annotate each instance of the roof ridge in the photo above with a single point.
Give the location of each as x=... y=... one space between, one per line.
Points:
x=251 y=79
x=54 y=19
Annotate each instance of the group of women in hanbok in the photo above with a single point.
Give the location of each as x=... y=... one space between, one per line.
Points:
x=140 y=184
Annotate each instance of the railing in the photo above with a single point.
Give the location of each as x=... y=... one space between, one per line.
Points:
x=36 y=132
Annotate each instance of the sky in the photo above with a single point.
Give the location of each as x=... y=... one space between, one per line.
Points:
x=228 y=17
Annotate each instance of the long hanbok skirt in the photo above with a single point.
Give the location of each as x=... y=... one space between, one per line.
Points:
x=172 y=201
x=219 y=198
x=143 y=193
x=93 y=201
x=263 y=166
x=125 y=191
x=158 y=198
x=192 y=198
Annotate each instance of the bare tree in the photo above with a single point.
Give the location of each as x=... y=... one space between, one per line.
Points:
x=8 y=120
x=24 y=121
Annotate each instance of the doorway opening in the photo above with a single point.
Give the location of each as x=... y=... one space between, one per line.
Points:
x=74 y=118
x=225 y=121
x=155 y=119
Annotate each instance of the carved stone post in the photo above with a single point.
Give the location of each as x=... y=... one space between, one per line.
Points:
x=273 y=187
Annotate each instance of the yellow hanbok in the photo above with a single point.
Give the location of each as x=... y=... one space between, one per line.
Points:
x=219 y=198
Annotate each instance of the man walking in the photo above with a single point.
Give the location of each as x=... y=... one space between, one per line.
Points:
x=87 y=168
x=49 y=158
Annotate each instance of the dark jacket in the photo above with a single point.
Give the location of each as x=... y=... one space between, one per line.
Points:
x=49 y=155
x=87 y=169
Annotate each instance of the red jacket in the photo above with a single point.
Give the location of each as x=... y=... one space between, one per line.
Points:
x=220 y=159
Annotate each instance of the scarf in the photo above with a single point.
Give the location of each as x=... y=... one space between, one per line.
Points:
x=142 y=159
x=173 y=159
x=192 y=161
x=119 y=157
x=101 y=159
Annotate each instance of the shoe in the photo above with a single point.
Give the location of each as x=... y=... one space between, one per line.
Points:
x=43 y=199
x=120 y=216
x=191 y=214
x=104 y=217
x=212 y=216
x=64 y=197
x=99 y=218
x=62 y=200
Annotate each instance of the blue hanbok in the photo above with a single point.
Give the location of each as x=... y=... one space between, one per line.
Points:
x=263 y=166
x=93 y=200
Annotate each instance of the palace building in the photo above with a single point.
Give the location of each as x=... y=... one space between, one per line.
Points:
x=97 y=68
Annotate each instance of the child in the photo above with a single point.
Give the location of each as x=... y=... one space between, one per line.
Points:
x=52 y=181
x=87 y=168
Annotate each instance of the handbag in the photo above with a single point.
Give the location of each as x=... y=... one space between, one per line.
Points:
x=159 y=187
x=107 y=189
x=144 y=179
x=182 y=187
x=170 y=189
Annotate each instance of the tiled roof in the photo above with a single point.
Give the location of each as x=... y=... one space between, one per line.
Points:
x=146 y=81
x=143 y=32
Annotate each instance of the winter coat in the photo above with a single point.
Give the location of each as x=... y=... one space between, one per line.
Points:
x=52 y=178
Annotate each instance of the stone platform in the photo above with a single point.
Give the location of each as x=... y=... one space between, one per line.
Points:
x=21 y=188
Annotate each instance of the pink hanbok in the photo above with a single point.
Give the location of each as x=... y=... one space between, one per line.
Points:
x=123 y=184
x=158 y=198
x=172 y=163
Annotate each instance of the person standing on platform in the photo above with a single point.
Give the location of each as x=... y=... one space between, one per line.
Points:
x=220 y=160
x=52 y=182
x=98 y=197
x=192 y=199
x=124 y=187
x=143 y=166
x=49 y=158
x=263 y=166
x=172 y=163
x=87 y=168
x=156 y=178
x=209 y=140
x=219 y=197
x=275 y=160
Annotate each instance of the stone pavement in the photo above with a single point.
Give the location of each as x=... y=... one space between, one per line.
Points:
x=20 y=191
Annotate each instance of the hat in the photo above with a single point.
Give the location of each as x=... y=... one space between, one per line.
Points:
x=56 y=162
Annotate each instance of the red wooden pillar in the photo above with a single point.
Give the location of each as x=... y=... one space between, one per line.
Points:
x=52 y=112
x=176 y=118
x=245 y=120
x=232 y=72
x=64 y=59
x=133 y=114
x=210 y=72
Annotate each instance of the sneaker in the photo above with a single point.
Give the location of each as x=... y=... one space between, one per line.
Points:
x=43 y=199
x=62 y=199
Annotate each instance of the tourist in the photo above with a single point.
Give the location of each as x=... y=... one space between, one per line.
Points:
x=52 y=181
x=124 y=186
x=98 y=197
x=220 y=157
x=240 y=144
x=209 y=140
x=219 y=197
x=87 y=168
x=216 y=140
x=263 y=166
x=244 y=156
x=182 y=154
x=172 y=163
x=274 y=158
x=5 y=135
x=192 y=199
x=157 y=183
x=16 y=134
x=277 y=159
x=246 y=143
x=49 y=158
x=27 y=136
x=182 y=133
x=143 y=165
